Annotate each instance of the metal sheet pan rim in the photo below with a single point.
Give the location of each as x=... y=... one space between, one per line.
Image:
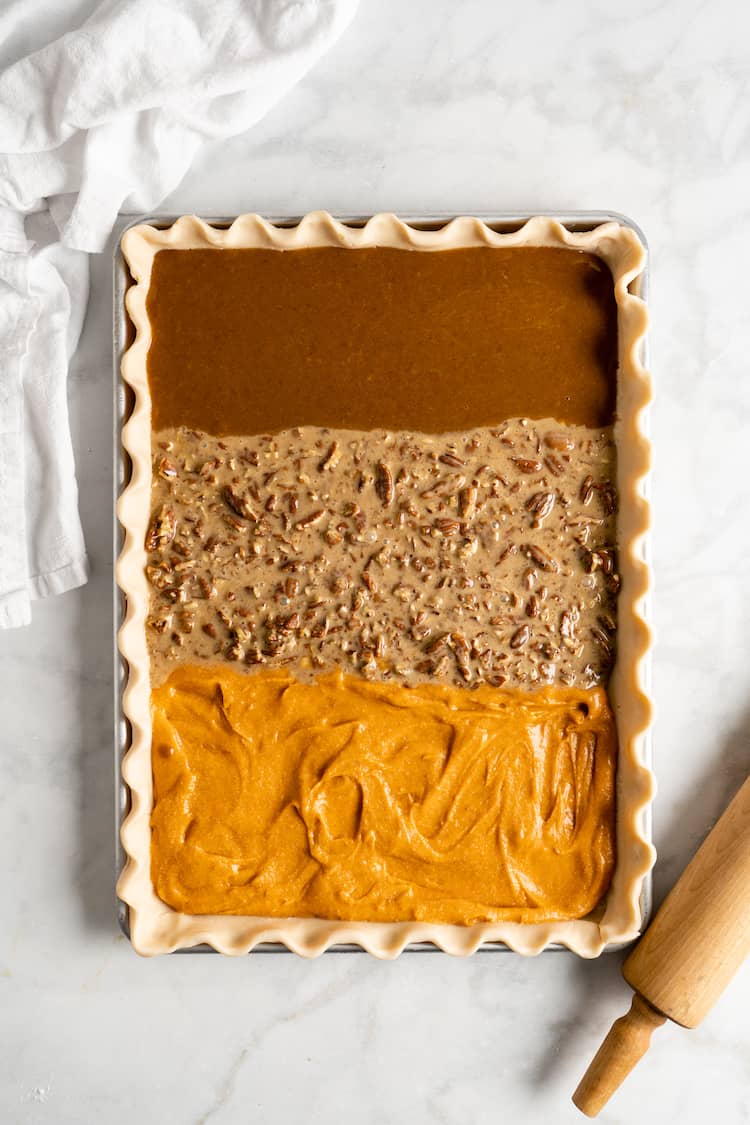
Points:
x=573 y=219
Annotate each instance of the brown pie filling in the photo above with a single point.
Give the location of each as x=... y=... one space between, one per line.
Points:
x=383 y=568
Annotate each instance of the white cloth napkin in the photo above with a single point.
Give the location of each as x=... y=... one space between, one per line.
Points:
x=106 y=118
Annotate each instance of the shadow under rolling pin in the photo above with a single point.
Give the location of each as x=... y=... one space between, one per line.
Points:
x=694 y=946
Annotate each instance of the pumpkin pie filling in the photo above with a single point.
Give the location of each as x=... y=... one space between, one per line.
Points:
x=383 y=570
x=352 y=800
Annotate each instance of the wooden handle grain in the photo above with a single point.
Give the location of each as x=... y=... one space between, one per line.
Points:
x=626 y=1043
x=701 y=934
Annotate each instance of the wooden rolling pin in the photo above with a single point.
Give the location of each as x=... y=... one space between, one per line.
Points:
x=692 y=949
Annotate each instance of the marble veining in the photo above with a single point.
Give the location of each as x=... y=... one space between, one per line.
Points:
x=432 y=105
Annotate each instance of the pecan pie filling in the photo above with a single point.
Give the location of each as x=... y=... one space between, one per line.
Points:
x=383 y=571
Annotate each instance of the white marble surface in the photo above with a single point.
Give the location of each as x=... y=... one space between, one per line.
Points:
x=641 y=108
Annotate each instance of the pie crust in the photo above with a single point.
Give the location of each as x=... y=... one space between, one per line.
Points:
x=154 y=926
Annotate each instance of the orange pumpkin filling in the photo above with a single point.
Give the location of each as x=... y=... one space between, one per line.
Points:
x=345 y=799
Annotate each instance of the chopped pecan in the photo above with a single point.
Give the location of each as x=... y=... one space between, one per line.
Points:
x=162 y=529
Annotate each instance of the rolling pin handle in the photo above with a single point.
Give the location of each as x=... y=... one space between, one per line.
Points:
x=626 y=1043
